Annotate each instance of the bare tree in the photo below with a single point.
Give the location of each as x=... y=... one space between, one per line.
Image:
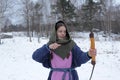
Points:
x=32 y=14
x=5 y=5
x=32 y=18
x=108 y=9
x=38 y=14
x=116 y=28
x=3 y=8
x=26 y=14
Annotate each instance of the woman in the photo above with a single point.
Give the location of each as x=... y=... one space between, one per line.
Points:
x=62 y=54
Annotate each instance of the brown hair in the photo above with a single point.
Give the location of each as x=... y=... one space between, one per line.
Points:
x=59 y=24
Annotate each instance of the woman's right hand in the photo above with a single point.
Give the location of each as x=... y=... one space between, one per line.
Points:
x=54 y=46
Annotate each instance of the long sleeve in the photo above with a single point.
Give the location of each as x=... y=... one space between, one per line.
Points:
x=79 y=56
x=39 y=54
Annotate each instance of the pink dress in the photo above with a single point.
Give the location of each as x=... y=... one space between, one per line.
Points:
x=58 y=62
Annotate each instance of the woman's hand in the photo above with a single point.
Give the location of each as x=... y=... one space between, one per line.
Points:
x=54 y=46
x=92 y=52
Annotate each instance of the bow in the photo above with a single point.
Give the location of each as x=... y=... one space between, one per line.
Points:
x=93 y=62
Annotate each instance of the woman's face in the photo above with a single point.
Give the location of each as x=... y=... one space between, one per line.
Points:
x=61 y=32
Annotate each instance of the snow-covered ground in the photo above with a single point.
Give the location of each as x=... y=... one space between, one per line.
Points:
x=16 y=59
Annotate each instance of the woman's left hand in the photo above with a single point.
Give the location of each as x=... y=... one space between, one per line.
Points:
x=92 y=52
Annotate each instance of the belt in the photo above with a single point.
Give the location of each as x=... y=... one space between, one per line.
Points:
x=65 y=70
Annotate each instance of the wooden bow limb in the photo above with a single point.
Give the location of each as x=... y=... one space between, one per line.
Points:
x=92 y=46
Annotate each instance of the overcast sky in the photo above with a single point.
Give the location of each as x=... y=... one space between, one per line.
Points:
x=117 y=1
x=16 y=19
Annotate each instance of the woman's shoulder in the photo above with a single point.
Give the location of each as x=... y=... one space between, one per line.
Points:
x=75 y=46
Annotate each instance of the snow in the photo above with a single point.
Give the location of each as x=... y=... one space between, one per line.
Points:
x=16 y=59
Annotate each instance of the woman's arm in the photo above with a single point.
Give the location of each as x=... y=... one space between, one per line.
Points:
x=40 y=53
x=80 y=56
